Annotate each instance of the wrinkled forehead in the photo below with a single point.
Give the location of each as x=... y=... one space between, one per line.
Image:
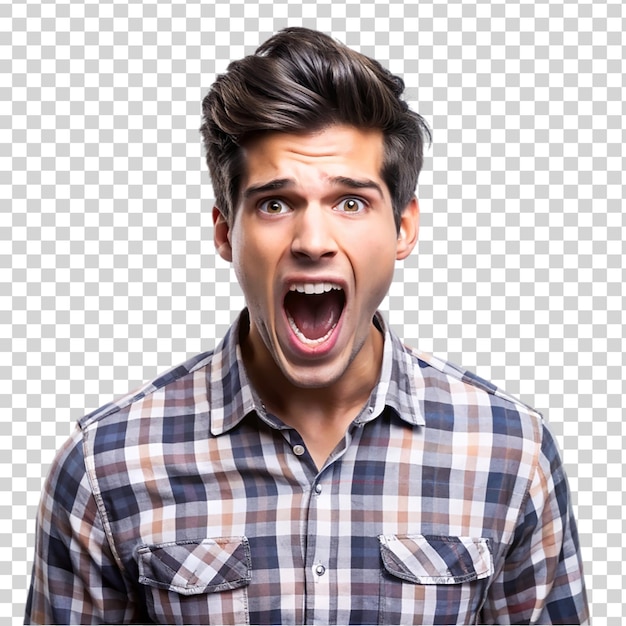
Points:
x=327 y=154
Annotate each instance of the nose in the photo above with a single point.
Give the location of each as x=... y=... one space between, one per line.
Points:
x=313 y=235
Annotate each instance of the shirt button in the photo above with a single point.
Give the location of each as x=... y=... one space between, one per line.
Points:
x=298 y=450
x=318 y=489
x=319 y=570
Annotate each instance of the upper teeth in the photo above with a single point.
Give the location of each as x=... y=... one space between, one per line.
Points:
x=311 y=288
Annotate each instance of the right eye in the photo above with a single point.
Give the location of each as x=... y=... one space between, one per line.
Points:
x=273 y=207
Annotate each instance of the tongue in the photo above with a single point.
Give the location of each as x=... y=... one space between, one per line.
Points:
x=316 y=314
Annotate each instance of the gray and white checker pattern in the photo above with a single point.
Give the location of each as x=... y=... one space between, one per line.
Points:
x=107 y=269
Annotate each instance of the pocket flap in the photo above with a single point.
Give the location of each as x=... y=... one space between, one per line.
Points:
x=436 y=559
x=196 y=566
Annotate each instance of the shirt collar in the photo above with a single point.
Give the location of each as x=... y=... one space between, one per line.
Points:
x=232 y=396
x=396 y=388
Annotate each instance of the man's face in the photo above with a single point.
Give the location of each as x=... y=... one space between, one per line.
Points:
x=313 y=244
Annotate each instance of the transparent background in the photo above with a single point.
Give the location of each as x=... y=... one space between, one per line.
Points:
x=107 y=268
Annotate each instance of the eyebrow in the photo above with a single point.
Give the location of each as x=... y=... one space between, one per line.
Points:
x=353 y=183
x=341 y=181
x=272 y=185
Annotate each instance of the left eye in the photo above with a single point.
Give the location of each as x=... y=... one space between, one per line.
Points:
x=350 y=205
x=274 y=207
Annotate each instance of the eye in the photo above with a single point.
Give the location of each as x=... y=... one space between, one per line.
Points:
x=273 y=207
x=351 y=205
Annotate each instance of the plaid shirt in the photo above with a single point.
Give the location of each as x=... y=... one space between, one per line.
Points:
x=445 y=502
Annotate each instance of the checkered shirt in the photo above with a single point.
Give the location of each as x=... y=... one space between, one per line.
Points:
x=186 y=502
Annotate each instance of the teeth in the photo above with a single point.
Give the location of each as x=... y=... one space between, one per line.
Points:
x=313 y=288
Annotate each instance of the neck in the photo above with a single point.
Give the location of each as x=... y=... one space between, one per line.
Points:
x=302 y=407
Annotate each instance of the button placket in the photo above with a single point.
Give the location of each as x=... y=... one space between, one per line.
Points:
x=321 y=507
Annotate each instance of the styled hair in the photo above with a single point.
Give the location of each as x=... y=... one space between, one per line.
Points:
x=298 y=81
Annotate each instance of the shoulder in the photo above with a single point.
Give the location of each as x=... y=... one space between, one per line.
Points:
x=173 y=385
x=67 y=475
x=453 y=398
x=141 y=424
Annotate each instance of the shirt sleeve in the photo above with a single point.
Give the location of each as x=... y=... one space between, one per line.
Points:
x=75 y=577
x=542 y=580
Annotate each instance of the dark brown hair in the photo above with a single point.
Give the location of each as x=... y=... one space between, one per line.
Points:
x=301 y=80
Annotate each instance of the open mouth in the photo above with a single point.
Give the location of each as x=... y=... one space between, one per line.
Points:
x=313 y=310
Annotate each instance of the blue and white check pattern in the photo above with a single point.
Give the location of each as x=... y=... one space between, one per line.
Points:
x=445 y=502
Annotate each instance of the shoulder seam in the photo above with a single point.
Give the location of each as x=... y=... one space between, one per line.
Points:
x=162 y=380
x=468 y=377
x=90 y=471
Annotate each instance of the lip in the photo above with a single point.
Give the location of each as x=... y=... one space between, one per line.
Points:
x=302 y=351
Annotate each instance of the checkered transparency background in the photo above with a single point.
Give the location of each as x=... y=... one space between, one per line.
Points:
x=107 y=269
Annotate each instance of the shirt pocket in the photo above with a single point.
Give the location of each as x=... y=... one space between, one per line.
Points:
x=433 y=579
x=203 y=580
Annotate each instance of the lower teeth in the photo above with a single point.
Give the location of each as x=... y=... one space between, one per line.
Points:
x=306 y=340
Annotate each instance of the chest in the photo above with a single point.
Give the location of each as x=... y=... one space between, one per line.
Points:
x=246 y=528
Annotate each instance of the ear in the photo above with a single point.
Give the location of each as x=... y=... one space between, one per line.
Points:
x=221 y=235
x=409 y=228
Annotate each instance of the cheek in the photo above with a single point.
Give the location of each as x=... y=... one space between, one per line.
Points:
x=376 y=249
x=253 y=263
x=252 y=257
x=376 y=264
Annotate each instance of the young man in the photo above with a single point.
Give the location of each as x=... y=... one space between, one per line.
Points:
x=311 y=469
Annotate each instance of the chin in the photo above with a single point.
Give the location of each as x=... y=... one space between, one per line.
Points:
x=312 y=376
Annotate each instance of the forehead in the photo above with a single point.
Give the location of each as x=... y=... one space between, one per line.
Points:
x=332 y=151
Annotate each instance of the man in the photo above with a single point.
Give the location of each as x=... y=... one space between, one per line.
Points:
x=311 y=469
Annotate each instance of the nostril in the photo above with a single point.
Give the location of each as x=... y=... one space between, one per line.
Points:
x=313 y=235
x=313 y=247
